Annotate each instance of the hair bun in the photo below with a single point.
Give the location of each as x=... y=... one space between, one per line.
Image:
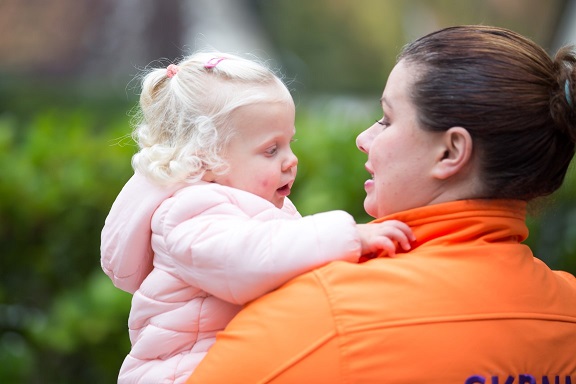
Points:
x=568 y=94
x=563 y=105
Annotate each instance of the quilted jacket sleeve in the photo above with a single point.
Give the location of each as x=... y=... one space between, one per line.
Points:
x=238 y=249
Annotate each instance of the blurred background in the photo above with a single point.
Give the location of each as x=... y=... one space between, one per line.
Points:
x=68 y=90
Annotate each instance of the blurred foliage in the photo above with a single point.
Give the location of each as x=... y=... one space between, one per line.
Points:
x=62 y=165
x=331 y=170
x=65 y=154
x=350 y=47
x=552 y=224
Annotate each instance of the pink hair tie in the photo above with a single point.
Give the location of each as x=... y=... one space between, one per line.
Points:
x=213 y=62
x=171 y=70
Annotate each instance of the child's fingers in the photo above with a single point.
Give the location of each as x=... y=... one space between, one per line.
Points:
x=387 y=245
x=405 y=244
x=405 y=228
x=399 y=232
x=399 y=236
x=386 y=236
x=402 y=240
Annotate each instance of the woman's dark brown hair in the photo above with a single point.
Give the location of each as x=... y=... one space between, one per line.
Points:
x=517 y=103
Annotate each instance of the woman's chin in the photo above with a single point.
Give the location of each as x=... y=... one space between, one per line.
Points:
x=368 y=207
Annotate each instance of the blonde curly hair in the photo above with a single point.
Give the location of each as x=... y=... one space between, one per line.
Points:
x=184 y=118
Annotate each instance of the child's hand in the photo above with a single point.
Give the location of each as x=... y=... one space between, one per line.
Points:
x=384 y=236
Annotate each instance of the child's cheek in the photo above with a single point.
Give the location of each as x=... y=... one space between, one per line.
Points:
x=264 y=183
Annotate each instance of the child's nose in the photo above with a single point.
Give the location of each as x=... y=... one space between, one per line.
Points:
x=290 y=162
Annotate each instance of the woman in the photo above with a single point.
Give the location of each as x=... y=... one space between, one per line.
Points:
x=477 y=122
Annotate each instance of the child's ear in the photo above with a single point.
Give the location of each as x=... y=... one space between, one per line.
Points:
x=208 y=176
x=455 y=155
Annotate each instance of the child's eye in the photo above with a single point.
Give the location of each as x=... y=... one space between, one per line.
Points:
x=272 y=150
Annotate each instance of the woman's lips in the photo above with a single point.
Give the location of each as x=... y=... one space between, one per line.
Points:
x=370 y=182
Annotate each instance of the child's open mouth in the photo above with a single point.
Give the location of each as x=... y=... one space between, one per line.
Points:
x=284 y=190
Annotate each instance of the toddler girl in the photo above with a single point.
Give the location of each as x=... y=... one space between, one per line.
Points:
x=205 y=224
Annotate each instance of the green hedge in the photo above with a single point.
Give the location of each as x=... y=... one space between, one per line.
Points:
x=61 y=319
x=62 y=165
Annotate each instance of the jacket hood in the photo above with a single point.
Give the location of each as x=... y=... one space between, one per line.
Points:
x=126 y=251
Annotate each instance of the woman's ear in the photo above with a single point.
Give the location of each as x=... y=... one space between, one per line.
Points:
x=456 y=153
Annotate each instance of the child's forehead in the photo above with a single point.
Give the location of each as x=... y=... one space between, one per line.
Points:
x=266 y=115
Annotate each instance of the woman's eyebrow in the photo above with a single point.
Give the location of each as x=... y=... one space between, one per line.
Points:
x=384 y=101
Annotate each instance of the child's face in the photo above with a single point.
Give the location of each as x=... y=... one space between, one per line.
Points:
x=259 y=154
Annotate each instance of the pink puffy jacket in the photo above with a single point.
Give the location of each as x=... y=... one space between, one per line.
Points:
x=193 y=254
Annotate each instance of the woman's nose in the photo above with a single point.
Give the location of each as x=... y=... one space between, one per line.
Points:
x=362 y=141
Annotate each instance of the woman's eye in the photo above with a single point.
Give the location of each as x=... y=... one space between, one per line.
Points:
x=383 y=122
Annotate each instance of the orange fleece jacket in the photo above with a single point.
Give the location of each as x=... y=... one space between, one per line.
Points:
x=468 y=304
